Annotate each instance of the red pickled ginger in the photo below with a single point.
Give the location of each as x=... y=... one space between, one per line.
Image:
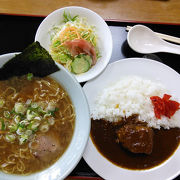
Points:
x=164 y=106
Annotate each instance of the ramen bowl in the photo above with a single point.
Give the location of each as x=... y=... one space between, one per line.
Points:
x=70 y=158
x=104 y=37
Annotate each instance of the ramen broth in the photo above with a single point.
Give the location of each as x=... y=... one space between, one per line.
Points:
x=20 y=157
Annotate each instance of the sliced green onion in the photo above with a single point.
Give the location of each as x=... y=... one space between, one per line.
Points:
x=19 y=108
x=20 y=131
x=28 y=102
x=44 y=128
x=10 y=137
x=24 y=123
x=6 y=114
x=40 y=110
x=13 y=111
x=27 y=120
x=34 y=105
x=34 y=130
x=2 y=102
x=51 y=106
x=21 y=125
x=22 y=140
x=47 y=115
x=29 y=76
x=38 y=118
x=51 y=121
x=29 y=126
x=13 y=128
x=3 y=126
x=34 y=125
x=30 y=114
x=28 y=132
x=25 y=136
x=17 y=118
x=52 y=112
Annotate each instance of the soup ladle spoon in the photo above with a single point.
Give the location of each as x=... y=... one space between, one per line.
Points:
x=143 y=40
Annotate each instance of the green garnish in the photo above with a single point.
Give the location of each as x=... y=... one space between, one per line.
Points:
x=26 y=119
x=10 y=137
x=13 y=128
x=52 y=112
x=29 y=76
x=13 y=111
x=21 y=125
x=68 y=17
x=19 y=108
x=2 y=103
x=34 y=130
x=3 y=127
x=6 y=114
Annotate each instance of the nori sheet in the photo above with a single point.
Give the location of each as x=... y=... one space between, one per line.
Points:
x=34 y=59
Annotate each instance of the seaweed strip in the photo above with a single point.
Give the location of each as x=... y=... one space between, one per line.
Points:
x=34 y=59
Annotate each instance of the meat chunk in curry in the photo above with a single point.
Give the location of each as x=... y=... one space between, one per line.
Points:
x=137 y=138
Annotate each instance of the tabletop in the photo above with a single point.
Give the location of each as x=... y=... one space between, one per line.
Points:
x=17 y=32
x=155 y=11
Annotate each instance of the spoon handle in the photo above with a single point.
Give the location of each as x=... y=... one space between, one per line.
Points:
x=171 y=48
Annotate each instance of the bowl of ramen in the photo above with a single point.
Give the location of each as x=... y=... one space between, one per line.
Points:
x=44 y=125
x=77 y=38
x=135 y=125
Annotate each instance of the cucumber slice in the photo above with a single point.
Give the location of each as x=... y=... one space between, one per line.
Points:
x=89 y=59
x=80 y=65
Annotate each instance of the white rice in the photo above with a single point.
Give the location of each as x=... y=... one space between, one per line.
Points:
x=131 y=95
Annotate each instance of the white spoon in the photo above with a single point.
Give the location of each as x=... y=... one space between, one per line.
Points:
x=143 y=40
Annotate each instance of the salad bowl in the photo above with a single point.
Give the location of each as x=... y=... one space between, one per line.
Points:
x=102 y=31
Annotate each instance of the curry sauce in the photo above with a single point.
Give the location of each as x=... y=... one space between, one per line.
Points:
x=165 y=142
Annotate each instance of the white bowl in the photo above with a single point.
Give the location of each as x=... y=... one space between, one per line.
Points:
x=103 y=33
x=74 y=152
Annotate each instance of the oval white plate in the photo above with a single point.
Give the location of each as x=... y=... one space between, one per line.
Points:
x=148 y=69
x=103 y=33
